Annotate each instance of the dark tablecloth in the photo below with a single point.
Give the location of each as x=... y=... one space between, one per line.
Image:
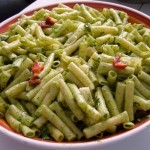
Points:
x=12 y=7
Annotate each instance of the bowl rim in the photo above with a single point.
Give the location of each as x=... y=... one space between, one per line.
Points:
x=98 y=143
x=60 y=145
x=77 y=1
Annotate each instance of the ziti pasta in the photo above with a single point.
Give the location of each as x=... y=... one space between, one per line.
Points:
x=70 y=74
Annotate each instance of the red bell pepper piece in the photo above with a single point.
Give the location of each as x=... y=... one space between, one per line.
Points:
x=117 y=63
x=44 y=25
x=50 y=21
x=34 y=81
x=37 y=68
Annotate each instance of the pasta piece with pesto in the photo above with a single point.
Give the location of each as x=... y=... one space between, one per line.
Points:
x=104 y=125
x=59 y=111
x=57 y=122
x=81 y=75
x=110 y=101
x=69 y=99
x=128 y=101
x=55 y=133
x=88 y=109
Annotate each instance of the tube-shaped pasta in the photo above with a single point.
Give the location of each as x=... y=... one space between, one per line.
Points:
x=14 y=123
x=16 y=89
x=85 y=91
x=97 y=30
x=73 y=47
x=80 y=31
x=40 y=121
x=23 y=77
x=72 y=78
x=140 y=87
x=104 y=69
x=128 y=125
x=110 y=101
x=47 y=40
x=144 y=77
x=17 y=104
x=12 y=46
x=28 y=132
x=65 y=28
x=51 y=95
x=69 y=99
x=35 y=90
x=38 y=31
x=27 y=63
x=55 y=133
x=67 y=15
x=86 y=14
x=61 y=114
x=88 y=109
x=101 y=79
x=116 y=16
x=60 y=99
x=108 y=38
x=109 y=22
x=23 y=117
x=102 y=126
x=47 y=66
x=119 y=95
x=136 y=92
x=17 y=62
x=146 y=61
x=92 y=75
x=4 y=78
x=2 y=110
x=140 y=103
x=5 y=67
x=19 y=30
x=31 y=108
x=62 y=10
x=57 y=122
x=112 y=77
x=81 y=75
x=128 y=45
x=37 y=100
x=128 y=101
x=83 y=49
x=100 y=104
x=94 y=60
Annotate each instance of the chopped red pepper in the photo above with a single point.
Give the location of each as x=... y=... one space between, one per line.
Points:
x=37 y=68
x=117 y=63
x=50 y=21
x=34 y=81
x=44 y=25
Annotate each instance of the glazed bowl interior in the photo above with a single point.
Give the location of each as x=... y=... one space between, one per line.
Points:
x=135 y=17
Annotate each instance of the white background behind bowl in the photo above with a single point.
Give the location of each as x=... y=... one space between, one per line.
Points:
x=140 y=141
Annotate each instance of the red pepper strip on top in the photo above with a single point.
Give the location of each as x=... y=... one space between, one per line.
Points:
x=44 y=25
x=117 y=63
x=34 y=81
x=50 y=21
x=37 y=68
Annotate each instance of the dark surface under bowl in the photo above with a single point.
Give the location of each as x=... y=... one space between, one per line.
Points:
x=12 y=7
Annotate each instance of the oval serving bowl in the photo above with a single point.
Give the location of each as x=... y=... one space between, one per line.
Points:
x=135 y=16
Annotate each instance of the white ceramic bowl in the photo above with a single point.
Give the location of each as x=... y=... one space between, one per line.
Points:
x=135 y=16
